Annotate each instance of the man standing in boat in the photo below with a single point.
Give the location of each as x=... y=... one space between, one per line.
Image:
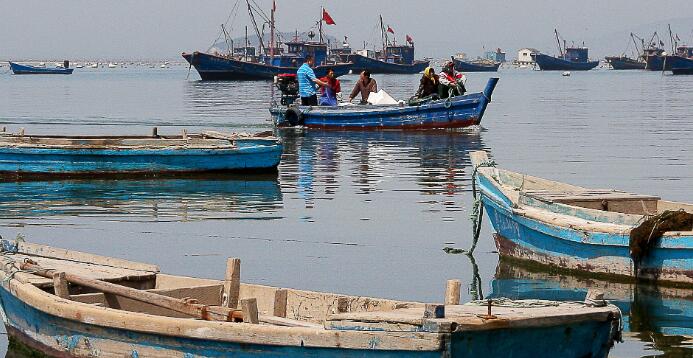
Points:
x=307 y=81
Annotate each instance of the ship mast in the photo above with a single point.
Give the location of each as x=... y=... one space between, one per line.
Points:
x=272 y=44
x=558 y=40
x=257 y=31
x=322 y=12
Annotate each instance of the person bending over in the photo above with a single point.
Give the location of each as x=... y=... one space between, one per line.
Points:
x=365 y=85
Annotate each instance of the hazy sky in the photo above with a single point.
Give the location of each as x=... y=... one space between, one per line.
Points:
x=165 y=28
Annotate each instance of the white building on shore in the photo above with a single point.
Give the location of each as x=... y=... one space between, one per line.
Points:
x=524 y=56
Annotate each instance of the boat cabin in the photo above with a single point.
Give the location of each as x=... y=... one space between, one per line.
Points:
x=576 y=54
x=685 y=51
x=400 y=54
x=296 y=54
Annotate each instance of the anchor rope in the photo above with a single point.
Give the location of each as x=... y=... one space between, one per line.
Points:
x=477 y=214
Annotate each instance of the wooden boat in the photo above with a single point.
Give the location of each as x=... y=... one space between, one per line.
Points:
x=33 y=70
x=591 y=230
x=455 y=112
x=476 y=66
x=71 y=304
x=36 y=156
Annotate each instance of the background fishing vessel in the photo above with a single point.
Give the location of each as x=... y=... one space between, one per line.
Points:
x=392 y=58
x=476 y=65
x=569 y=59
x=274 y=58
x=624 y=62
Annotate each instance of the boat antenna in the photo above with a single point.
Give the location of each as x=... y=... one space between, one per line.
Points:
x=245 y=47
x=558 y=40
x=272 y=44
x=257 y=31
x=671 y=40
x=322 y=11
x=383 y=35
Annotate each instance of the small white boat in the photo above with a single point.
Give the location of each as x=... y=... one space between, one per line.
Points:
x=112 y=65
x=565 y=74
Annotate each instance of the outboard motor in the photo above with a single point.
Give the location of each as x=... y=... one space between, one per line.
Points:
x=66 y=64
x=288 y=85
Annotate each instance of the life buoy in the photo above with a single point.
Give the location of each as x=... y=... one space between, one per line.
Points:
x=294 y=117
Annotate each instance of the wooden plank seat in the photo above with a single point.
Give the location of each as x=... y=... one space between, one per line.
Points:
x=600 y=199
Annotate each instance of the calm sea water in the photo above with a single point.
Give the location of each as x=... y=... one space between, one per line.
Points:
x=359 y=213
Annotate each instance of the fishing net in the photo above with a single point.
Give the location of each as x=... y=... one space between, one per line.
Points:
x=645 y=236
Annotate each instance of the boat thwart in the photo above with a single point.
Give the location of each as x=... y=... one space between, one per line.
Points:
x=71 y=304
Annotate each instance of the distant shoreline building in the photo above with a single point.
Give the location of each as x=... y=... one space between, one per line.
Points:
x=495 y=56
x=524 y=56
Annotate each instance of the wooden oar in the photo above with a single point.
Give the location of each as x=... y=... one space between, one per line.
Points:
x=187 y=307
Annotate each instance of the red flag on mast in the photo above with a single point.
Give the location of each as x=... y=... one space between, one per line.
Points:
x=409 y=39
x=327 y=18
x=390 y=30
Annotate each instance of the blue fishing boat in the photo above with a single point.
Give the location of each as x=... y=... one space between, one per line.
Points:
x=276 y=59
x=66 y=303
x=624 y=62
x=392 y=58
x=24 y=156
x=476 y=66
x=600 y=231
x=570 y=58
x=660 y=61
x=18 y=69
x=454 y=112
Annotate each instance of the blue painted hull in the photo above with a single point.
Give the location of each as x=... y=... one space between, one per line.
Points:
x=216 y=68
x=25 y=324
x=361 y=63
x=550 y=63
x=625 y=63
x=579 y=249
x=460 y=111
x=681 y=65
x=31 y=70
x=646 y=308
x=464 y=66
x=84 y=161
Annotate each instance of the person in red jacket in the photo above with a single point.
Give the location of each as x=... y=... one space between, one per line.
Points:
x=450 y=82
x=328 y=93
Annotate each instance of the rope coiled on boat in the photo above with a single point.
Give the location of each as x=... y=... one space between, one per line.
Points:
x=477 y=213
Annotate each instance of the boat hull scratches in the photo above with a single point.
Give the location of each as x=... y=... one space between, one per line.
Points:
x=527 y=239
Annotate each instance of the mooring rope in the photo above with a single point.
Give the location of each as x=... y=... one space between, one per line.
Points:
x=477 y=213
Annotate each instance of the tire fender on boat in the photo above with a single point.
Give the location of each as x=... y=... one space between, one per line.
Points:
x=294 y=116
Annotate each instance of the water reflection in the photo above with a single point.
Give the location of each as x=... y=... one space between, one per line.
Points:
x=315 y=163
x=178 y=199
x=662 y=317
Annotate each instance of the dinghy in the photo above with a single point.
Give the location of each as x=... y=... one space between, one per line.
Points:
x=65 y=303
x=603 y=232
x=23 y=156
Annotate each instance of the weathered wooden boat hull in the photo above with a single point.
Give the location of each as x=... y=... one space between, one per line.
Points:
x=465 y=66
x=45 y=314
x=458 y=112
x=27 y=160
x=625 y=63
x=550 y=63
x=216 y=68
x=18 y=69
x=568 y=238
x=58 y=337
x=361 y=63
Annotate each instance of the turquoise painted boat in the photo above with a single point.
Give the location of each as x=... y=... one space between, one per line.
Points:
x=71 y=304
x=599 y=231
x=25 y=156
